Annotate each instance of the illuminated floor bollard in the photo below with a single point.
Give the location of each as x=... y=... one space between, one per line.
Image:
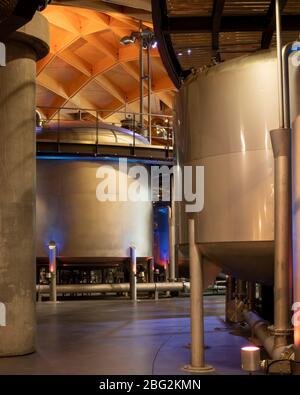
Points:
x=52 y=269
x=133 y=290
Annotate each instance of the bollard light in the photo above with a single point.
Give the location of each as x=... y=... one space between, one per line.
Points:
x=52 y=270
x=250 y=358
x=52 y=256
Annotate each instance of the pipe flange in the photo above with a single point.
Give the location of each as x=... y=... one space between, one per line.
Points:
x=280 y=332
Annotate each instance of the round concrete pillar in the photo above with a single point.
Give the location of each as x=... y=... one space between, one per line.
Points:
x=17 y=185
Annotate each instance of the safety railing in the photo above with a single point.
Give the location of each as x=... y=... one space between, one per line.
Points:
x=69 y=125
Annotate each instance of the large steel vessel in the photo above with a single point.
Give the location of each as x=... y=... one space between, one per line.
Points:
x=69 y=213
x=224 y=116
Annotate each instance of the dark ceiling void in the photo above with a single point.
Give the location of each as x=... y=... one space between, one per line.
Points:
x=216 y=26
x=167 y=53
x=200 y=33
x=16 y=13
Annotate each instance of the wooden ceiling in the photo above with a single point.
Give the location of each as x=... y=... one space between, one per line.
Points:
x=88 y=68
x=138 y=9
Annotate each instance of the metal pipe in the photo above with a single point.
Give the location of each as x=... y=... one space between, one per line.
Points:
x=141 y=60
x=281 y=144
x=229 y=296
x=279 y=64
x=251 y=295
x=133 y=289
x=197 y=314
x=171 y=243
x=149 y=89
x=151 y=270
x=167 y=275
x=261 y=330
x=241 y=289
x=296 y=238
x=85 y=109
x=111 y=288
x=286 y=85
x=197 y=323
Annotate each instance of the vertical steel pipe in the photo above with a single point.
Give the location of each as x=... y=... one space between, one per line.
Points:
x=141 y=61
x=151 y=270
x=197 y=311
x=241 y=289
x=279 y=64
x=281 y=144
x=197 y=319
x=171 y=243
x=251 y=295
x=286 y=88
x=229 y=297
x=149 y=89
x=133 y=288
x=296 y=239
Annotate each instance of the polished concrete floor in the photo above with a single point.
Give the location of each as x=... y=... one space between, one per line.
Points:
x=120 y=337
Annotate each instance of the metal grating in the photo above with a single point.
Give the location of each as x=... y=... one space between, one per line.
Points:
x=238 y=7
x=198 y=51
x=189 y=8
x=193 y=46
x=191 y=40
x=292 y=7
x=199 y=58
x=236 y=43
x=287 y=37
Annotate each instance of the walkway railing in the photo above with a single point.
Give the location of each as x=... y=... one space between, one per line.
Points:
x=69 y=125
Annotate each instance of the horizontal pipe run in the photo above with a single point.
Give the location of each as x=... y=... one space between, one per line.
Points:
x=110 y=288
x=261 y=330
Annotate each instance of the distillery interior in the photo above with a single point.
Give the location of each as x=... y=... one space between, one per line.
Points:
x=150 y=187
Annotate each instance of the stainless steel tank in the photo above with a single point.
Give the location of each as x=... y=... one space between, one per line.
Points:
x=224 y=115
x=69 y=213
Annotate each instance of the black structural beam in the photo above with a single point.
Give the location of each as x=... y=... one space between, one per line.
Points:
x=234 y=23
x=271 y=24
x=165 y=47
x=216 y=25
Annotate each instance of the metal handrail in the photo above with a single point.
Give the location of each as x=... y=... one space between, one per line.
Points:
x=97 y=110
x=136 y=129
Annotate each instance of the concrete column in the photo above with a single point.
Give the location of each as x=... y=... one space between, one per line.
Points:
x=197 y=312
x=17 y=180
x=133 y=291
